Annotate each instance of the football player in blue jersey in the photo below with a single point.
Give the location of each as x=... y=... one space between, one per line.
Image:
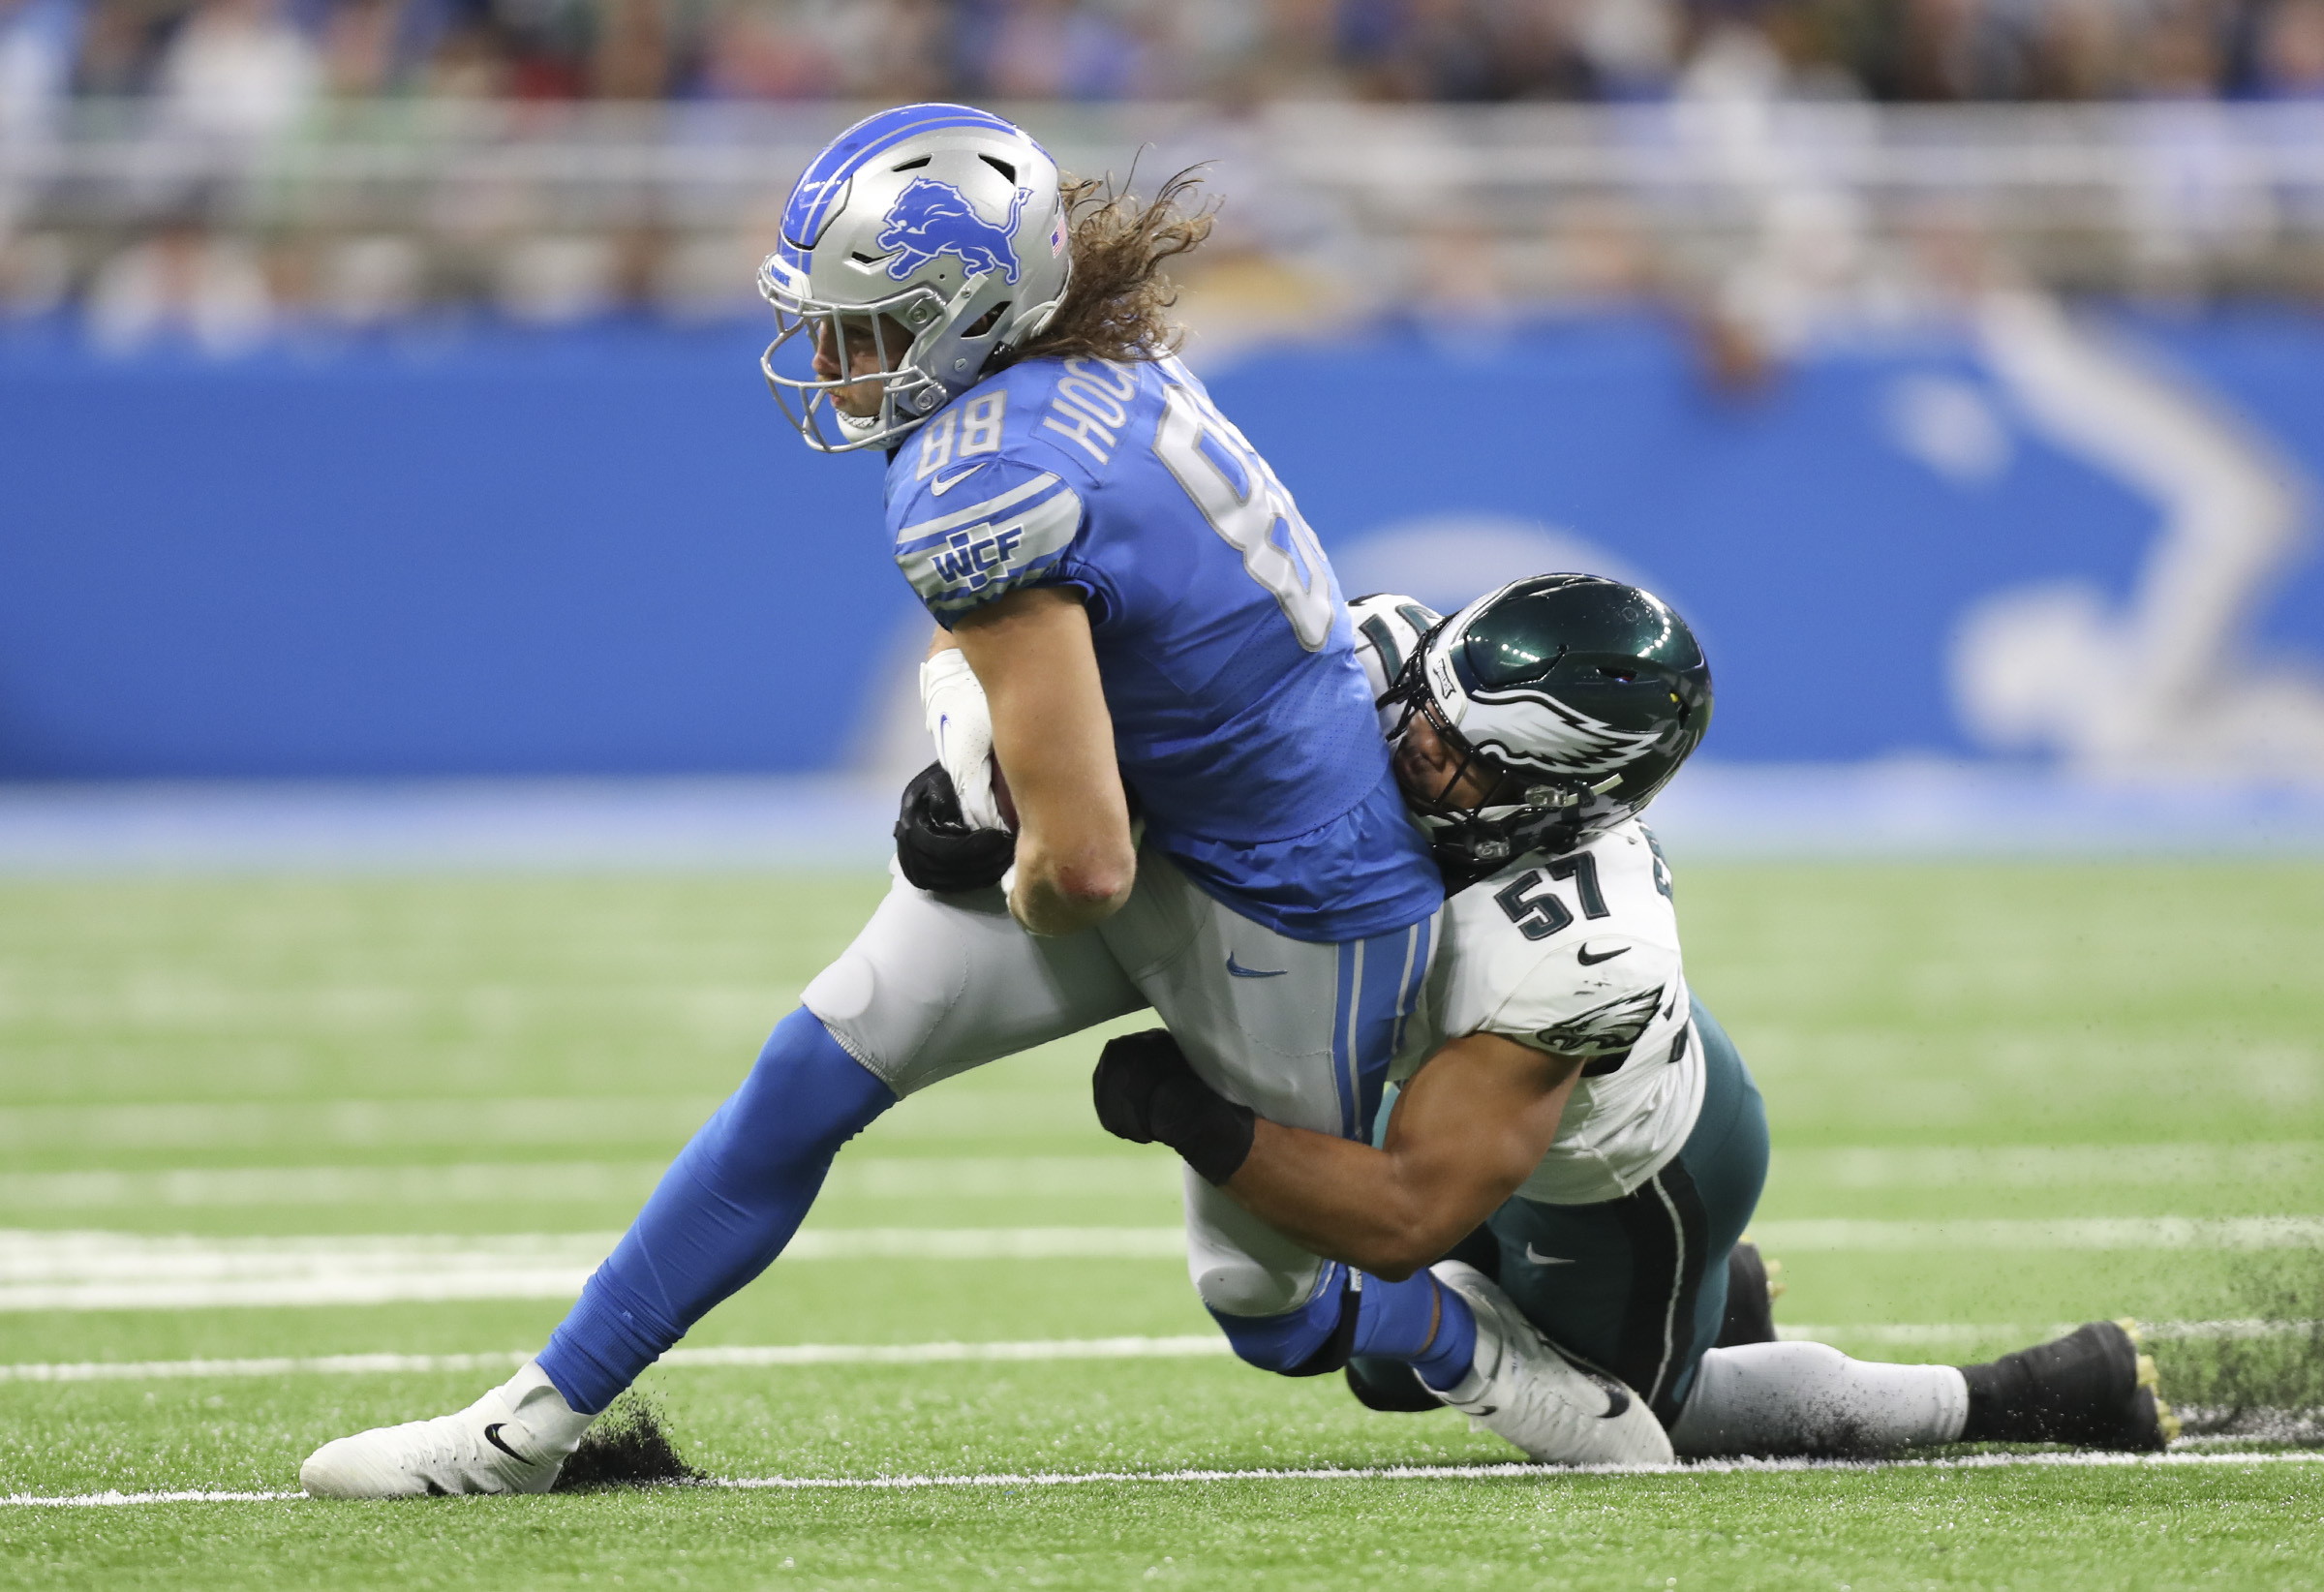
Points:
x=1130 y=610
x=1580 y=1145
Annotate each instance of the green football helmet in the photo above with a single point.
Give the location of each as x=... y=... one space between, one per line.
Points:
x=1575 y=698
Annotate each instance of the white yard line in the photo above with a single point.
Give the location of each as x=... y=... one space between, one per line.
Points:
x=1434 y=1473
x=662 y=1122
x=80 y=1270
x=506 y=1121
x=279 y=1365
x=1185 y=1346
x=1988 y=1167
x=563 y=1183
x=64 y=1271
x=1384 y=1473
x=115 y=1500
x=1777 y=1237
x=1943 y=1331
x=1204 y=1345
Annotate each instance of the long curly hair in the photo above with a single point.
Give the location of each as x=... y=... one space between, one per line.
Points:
x=1114 y=308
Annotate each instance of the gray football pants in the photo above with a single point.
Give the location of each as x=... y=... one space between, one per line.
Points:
x=1303 y=1033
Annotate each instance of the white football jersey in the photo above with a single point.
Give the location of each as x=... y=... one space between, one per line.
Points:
x=1577 y=954
x=1580 y=955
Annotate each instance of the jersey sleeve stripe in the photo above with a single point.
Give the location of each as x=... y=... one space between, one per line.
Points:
x=975 y=563
x=928 y=533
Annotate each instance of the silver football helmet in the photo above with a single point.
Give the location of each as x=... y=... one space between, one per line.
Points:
x=938 y=233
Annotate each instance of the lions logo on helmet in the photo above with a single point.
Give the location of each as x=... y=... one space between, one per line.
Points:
x=1574 y=698
x=931 y=218
x=889 y=243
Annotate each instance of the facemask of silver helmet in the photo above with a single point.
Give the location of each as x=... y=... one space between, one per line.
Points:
x=933 y=236
x=1563 y=704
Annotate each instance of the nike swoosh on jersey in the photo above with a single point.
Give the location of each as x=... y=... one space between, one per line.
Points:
x=1582 y=956
x=1240 y=971
x=1539 y=1259
x=945 y=483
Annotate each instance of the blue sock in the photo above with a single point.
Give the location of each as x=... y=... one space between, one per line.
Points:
x=1418 y=1320
x=723 y=1213
x=1421 y=1322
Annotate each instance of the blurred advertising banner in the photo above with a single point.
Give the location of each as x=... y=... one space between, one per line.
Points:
x=2010 y=532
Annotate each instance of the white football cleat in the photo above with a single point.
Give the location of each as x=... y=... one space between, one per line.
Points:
x=1522 y=1389
x=514 y=1439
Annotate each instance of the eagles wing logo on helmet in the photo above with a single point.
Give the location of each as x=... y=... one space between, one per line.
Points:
x=932 y=218
x=1562 y=740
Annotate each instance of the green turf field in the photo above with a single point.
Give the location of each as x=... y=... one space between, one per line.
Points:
x=1990 y=1086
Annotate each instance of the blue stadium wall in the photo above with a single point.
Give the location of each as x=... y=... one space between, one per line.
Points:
x=598 y=552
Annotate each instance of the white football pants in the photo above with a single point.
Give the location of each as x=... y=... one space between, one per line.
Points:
x=1302 y=1033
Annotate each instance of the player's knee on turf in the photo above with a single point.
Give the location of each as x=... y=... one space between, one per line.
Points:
x=1246 y=1287
x=1308 y=1341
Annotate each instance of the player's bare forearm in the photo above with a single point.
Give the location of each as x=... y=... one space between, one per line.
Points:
x=1468 y=1129
x=1345 y=1200
x=1054 y=739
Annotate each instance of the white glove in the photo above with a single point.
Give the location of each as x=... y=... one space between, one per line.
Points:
x=960 y=721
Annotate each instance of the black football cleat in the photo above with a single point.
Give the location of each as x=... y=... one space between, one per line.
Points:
x=1749 y=1298
x=2090 y=1388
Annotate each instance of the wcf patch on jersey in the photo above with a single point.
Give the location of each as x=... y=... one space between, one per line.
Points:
x=971 y=557
x=969 y=561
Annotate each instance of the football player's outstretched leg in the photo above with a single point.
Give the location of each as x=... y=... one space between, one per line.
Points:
x=723 y=1211
x=2089 y=1388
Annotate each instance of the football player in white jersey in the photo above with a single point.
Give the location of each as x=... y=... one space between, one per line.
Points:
x=1580 y=1146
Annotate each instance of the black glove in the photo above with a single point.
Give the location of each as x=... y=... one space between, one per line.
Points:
x=935 y=845
x=1146 y=1094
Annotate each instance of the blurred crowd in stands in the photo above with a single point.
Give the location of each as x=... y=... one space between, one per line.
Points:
x=246 y=165
x=257 y=64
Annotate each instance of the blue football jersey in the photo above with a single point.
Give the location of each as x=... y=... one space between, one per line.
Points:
x=1241 y=717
